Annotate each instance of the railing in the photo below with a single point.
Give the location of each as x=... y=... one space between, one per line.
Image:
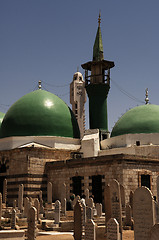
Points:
x=104 y=79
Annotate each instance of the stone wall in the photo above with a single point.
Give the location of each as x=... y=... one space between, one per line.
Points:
x=27 y=166
x=127 y=170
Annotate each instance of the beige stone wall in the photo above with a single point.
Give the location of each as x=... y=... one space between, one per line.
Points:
x=27 y=166
x=132 y=175
x=128 y=173
x=58 y=175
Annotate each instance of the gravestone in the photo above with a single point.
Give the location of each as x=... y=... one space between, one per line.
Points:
x=90 y=203
x=154 y=234
x=5 y=190
x=49 y=193
x=143 y=213
x=113 y=229
x=14 y=203
x=78 y=214
x=63 y=207
x=156 y=207
x=131 y=200
x=122 y=193
x=77 y=198
x=0 y=208
x=57 y=211
x=90 y=230
x=158 y=188
x=107 y=204
x=86 y=195
x=128 y=220
x=63 y=198
x=84 y=212
x=13 y=219
x=41 y=202
x=20 y=197
x=116 y=202
x=26 y=206
x=89 y=213
x=32 y=223
x=99 y=209
x=37 y=206
x=30 y=200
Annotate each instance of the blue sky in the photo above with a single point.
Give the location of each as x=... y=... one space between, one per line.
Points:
x=48 y=39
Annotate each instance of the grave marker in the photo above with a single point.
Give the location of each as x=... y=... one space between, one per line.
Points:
x=87 y=195
x=41 y=202
x=49 y=193
x=78 y=214
x=90 y=202
x=99 y=209
x=84 y=212
x=128 y=220
x=5 y=190
x=14 y=203
x=116 y=202
x=37 y=206
x=158 y=188
x=0 y=208
x=26 y=202
x=89 y=213
x=143 y=213
x=13 y=219
x=20 y=197
x=57 y=211
x=154 y=234
x=90 y=230
x=107 y=204
x=32 y=223
x=131 y=199
x=122 y=193
x=63 y=198
x=113 y=229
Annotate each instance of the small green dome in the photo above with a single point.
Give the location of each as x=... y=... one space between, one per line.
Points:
x=40 y=113
x=141 y=119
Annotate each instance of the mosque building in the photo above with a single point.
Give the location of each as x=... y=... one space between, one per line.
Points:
x=42 y=140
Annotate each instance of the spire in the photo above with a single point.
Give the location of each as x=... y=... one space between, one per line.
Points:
x=39 y=84
x=98 y=45
x=146 y=98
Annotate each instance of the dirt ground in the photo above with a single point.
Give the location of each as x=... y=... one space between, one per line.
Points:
x=127 y=235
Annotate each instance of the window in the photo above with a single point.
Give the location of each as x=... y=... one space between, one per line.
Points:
x=145 y=181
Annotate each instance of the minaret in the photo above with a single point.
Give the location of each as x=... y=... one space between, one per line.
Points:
x=97 y=84
x=78 y=99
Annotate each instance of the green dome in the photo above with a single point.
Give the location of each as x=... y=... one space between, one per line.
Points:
x=1 y=117
x=142 y=119
x=40 y=113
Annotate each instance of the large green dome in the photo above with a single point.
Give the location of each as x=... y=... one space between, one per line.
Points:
x=40 y=113
x=141 y=119
x=1 y=117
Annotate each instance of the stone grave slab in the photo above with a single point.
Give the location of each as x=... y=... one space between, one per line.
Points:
x=78 y=215
x=154 y=234
x=113 y=229
x=90 y=230
x=143 y=213
x=116 y=209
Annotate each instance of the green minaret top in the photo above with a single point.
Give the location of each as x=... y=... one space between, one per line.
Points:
x=98 y=45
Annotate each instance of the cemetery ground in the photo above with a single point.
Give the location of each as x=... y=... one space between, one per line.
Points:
x=127 y=235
